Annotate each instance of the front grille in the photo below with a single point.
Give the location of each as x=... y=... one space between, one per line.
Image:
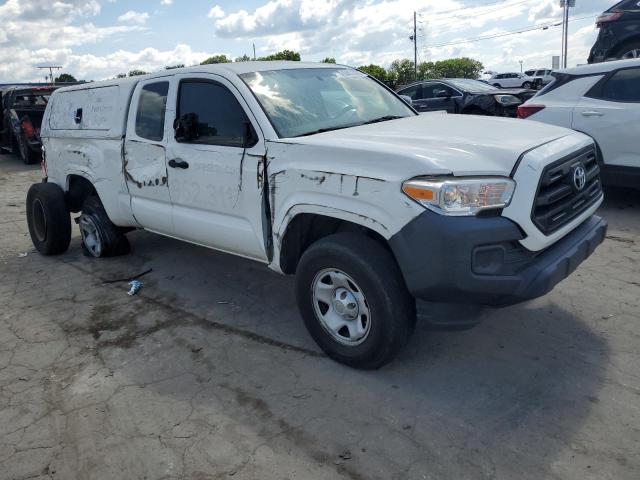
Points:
x=559 y=200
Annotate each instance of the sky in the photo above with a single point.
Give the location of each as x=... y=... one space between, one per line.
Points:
x=97 y=39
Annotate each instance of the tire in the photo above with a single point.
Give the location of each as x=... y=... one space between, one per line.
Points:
x=48 y=218
x=497 y=85
x=100 y=237
x=629 y=50
x=27 y=156
x=384 y=311
x=527 y=85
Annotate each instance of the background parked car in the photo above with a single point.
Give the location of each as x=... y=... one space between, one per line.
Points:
x=540 y=76
x=511 y=80
x=619 y=36
x=22 y=111
x=462 y=95
x=603 y=101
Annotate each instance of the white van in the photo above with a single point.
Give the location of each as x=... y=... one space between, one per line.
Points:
x=318 y=170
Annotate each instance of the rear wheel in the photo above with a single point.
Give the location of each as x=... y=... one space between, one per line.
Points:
x=48 y=219
x=527 y=85
x=27 y=156
x=630 y=50
x=353 y=300
x=100 y=237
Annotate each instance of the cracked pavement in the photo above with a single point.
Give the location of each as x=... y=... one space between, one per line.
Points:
x=208 y=373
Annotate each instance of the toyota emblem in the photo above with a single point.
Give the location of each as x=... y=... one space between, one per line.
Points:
x=579 y=177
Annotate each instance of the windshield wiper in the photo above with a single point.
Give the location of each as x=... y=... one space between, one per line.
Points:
x=327 y=129
x=382 y=119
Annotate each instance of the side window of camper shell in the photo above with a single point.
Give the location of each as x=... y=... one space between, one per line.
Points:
x=152 y=106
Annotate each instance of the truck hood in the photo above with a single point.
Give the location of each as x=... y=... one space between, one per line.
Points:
x=437 y=144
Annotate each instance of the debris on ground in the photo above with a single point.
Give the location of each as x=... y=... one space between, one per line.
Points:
x=128 y=279
x=135 y=287
x=22 y=255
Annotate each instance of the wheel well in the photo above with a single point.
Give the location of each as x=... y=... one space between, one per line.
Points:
x=625 y=44
x=307 y=228
x=79 y=189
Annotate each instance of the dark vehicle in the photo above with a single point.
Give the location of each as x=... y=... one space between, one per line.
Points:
x=619 y=36
x=463 y=95
x=22 y=111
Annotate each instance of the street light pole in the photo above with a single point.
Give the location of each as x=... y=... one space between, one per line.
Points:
x=415 y=47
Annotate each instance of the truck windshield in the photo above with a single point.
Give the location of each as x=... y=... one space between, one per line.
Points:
x=312 y=100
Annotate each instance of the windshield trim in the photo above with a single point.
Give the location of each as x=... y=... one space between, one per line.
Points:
x=337 y=67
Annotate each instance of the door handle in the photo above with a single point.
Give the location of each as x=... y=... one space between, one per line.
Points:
x=592 y=113
x=177 y=163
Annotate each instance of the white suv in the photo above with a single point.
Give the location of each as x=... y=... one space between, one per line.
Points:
x=544 y=75
x=511 y=80
x=320 y=171
x=603 y=101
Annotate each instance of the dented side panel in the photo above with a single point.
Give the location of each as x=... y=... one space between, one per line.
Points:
x=329 y=187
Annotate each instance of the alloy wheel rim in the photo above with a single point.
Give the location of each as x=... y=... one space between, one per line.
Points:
x=341 y=307
x=635 y=53
x=90 y=235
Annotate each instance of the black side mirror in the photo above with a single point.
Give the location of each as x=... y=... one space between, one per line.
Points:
x=186 y=127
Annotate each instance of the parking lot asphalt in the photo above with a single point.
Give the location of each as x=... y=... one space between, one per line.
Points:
x=208 y=373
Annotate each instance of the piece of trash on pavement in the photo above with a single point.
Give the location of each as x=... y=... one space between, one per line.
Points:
x=22 y=255
x=135 y=287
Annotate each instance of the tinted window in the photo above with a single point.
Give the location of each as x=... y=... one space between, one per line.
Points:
x=530 y=73
x=151 y=109
x=413 y=92
x=623 y=86
x=218 y=117
x=433 y=89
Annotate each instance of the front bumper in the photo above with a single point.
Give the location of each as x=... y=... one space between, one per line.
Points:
x=478 y=260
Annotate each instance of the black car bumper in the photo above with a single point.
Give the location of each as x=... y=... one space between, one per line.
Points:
x=476 y=260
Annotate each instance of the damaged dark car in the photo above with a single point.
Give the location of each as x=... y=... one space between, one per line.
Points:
x=466 y=96
x=619 y=33
x=22 y=111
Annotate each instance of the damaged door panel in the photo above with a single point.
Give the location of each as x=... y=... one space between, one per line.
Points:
x=144 y=162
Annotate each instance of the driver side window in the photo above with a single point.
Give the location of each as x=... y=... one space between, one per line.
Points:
x=208 y=113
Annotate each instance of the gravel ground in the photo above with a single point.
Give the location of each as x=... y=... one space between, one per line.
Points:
x=208 y=373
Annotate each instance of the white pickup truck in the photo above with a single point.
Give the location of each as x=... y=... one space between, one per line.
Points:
x=320 y=171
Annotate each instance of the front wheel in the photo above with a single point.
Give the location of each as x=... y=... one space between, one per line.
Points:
x=527 y=85
x=353 y=300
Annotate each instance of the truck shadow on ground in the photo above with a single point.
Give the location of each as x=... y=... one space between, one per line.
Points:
x=506 y=396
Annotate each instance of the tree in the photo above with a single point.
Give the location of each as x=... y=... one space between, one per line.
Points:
x=65 y=78
x=376 y=71
x=401 y=72
x=457 y=68
x=215 y=59
x=136 y=72
x=171 y=67
x=243 y=58
x=121 y=75
x=283 y=55
x=329 y=60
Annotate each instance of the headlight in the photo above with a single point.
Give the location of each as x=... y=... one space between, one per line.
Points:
x=460 y=196
x=507 y=100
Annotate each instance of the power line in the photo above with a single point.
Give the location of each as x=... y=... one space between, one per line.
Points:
x=461 y=11
x=505 y=34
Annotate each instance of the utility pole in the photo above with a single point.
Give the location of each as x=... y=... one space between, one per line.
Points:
x=254 y=51
x=566 y=4
x=520 y=65
x=51 y=69
x=415 y=47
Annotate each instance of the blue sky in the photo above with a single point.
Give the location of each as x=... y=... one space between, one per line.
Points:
x=96 y=39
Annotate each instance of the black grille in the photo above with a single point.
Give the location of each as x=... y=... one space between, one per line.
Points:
x=559 y=200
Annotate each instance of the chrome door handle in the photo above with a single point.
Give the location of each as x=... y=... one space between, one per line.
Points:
x=592 y=113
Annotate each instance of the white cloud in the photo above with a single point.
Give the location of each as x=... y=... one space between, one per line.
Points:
x=216 y=12
x=132 y=16
x=166 y=2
